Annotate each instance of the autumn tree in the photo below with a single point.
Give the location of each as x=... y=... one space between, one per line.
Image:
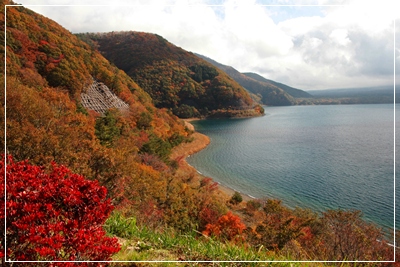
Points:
x=279 y=226
x=348 y=237
x=228 y=226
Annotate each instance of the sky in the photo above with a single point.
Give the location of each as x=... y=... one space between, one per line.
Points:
x=307 y=44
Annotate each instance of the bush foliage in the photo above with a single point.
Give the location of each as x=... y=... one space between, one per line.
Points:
x=53 y=215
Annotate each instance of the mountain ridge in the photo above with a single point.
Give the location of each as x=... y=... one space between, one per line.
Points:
x=176 y=79
x=270 y=92
x=290 y=90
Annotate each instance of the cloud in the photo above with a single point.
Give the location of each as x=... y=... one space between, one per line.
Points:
x=340 y=50
x=350 y=44
x=340 y=37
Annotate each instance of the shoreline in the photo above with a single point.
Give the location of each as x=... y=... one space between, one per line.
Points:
x=200 y=142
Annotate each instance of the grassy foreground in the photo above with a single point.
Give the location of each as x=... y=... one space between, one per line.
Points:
x=142 y=246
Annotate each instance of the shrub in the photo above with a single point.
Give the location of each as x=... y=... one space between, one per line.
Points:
x=54 y=215
x=236 y=198
x=228 y=226
x=252 y=206
x=279 y=226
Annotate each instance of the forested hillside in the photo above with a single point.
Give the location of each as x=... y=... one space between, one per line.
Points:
x=128 y=151
x=48 y=69
x=175 y=79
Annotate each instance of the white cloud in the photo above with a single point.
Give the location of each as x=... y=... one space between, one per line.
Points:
x=300 y=26
x=309 y=48
x=340 y=37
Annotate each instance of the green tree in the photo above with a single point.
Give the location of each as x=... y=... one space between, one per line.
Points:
x=144 y=120
x=236 y=198
x=157 y=146
x=107 y=130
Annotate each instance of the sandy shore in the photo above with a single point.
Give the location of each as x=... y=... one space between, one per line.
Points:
x=181 y=152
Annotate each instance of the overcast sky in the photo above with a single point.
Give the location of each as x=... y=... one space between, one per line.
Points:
x=309 y=44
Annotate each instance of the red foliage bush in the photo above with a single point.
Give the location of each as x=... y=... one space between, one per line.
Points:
x=53 y=215
x=208 y=215
x=228 y=226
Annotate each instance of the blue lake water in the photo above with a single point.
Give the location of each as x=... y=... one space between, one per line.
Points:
x=318 y=157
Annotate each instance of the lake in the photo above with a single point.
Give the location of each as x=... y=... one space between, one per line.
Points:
x=318 y=157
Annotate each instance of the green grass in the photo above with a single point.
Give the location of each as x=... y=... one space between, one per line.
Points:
x=143 y=244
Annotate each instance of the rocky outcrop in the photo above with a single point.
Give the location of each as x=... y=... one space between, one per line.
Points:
x=98 y=97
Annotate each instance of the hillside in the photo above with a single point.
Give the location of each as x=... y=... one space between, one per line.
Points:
x=48 y=67
x=69 y=106
x=123 y=141
x=175 y=79
x=271 y=93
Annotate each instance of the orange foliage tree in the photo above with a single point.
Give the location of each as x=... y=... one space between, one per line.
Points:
x=279 y=226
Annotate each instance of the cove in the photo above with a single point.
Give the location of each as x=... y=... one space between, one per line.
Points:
x=317 y=157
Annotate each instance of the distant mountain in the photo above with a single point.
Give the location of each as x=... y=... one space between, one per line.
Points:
x=354 y=92
x=361 y=95
x=175 y=79
x=290 y=90
x=271 y=93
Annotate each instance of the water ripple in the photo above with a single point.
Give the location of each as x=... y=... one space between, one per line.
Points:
x=318 y=157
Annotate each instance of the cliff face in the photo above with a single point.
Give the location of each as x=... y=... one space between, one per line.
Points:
x=175 y=79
